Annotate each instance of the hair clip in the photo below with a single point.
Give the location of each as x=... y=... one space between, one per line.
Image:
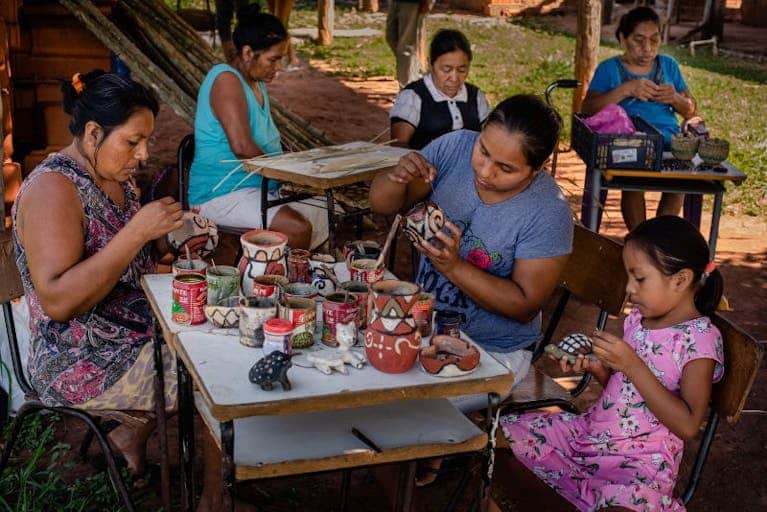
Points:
x=710 y=267
x=77 y=83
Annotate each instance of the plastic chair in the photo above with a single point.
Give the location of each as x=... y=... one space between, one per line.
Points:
x=742 y=359
x=11 y=289
x=594 y=274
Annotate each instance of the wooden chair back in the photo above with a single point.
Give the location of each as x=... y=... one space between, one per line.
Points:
x=742 y=357
x=595 y=273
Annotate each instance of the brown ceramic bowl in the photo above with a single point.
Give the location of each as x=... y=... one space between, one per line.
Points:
x=449 y=357
x=684 y=148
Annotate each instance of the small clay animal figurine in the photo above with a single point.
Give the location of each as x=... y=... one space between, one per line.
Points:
x=329 y=360
x=270 y=369
x=571 y=346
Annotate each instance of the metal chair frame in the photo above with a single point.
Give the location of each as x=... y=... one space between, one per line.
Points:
x=33 y=404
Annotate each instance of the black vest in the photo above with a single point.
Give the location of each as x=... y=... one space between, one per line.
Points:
x=435 y=118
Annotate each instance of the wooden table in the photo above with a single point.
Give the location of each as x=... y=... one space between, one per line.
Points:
x=300 y=174
x=693 y=181
x=213 y=361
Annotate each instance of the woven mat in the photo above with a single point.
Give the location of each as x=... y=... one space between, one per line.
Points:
x=354 y=196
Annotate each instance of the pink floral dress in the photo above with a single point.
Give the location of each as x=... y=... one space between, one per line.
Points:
x=618 y=453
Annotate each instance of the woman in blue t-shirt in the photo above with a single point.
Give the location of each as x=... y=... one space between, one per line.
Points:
x=233 y=122
x=646 y=84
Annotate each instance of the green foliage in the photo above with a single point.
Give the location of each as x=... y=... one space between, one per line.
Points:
x=527 y=54
x=32 y=481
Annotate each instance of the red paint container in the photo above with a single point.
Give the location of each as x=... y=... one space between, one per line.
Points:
x=338 y=308
x=190 y=294
x=298 y=266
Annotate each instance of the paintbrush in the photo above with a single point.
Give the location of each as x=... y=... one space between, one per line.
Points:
x=389 y=238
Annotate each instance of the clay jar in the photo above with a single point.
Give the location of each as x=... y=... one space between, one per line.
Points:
x=365 y=270
x=298 y=266
x=254 y=311
x=223 y=282
x=263 y=253
x=449 y=357
x=423 y=221
x=322 y=273
x=392 y=340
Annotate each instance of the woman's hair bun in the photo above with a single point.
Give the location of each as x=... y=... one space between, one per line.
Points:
x=71 y=93
x=248 y=14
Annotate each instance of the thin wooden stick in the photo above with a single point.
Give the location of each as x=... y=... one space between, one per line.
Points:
x=228 y=175
x=383 y=132
x=243 y=180
x=389 y=238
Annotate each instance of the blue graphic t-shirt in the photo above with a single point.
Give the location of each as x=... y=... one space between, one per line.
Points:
x=536 y=223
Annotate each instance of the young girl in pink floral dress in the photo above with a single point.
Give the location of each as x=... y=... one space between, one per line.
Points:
x=624 y=452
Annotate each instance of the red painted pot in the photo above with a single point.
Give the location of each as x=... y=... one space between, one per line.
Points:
x=392 y=340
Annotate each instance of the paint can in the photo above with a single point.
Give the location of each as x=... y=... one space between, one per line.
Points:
x=338 y=308
x=190 y=293
x=448 y=323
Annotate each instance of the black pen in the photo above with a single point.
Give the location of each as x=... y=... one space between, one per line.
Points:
x=365 y=439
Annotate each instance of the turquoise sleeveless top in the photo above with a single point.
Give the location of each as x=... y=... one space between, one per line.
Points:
x=213 y=158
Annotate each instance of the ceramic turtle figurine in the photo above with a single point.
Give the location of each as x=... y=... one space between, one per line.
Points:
x=270 y=369
x=571 y=346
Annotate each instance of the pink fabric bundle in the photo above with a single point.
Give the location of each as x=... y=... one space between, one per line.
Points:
x=611 y=119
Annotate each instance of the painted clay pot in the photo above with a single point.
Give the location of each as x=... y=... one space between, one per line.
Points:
x=322 y=273
x=223 y=282
x=449 y=357
x=263 y=253
x=392 y=340
x=423 y=221
x=198 y=234
x=360 y=292
x=254 y=311
x=225 y=314
x=298 y=266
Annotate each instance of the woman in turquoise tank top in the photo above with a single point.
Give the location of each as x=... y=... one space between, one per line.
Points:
x=233 y=121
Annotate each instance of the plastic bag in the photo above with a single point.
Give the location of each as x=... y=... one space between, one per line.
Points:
x=611 y=119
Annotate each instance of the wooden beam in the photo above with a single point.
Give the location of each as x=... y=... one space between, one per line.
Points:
x=326 y=17
x=586 y=47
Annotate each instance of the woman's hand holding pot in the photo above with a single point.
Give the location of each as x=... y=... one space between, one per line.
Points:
x=157 y=219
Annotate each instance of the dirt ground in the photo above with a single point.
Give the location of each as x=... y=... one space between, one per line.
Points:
x=358 y=110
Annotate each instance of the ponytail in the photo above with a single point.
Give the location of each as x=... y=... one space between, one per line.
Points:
x=709 y=292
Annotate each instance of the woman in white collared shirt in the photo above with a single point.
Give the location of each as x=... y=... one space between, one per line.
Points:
x=442 y=101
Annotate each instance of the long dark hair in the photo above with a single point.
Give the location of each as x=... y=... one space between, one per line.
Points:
x=673 y=244
x=257 y=29
x=106 y=98
x=537 y=122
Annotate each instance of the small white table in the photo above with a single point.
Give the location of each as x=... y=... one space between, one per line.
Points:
x=213 y=361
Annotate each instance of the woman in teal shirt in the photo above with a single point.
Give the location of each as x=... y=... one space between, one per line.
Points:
x=233 y=122
x=647 y=84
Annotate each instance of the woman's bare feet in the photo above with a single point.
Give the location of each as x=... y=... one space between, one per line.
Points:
x=130 y=442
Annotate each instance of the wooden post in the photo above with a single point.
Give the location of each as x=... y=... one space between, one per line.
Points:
x=368 y=5
x=607 y=11
x=325 y=23
x=586 y=47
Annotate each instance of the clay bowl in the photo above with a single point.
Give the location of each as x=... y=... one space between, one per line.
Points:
x=714 y=151
x=225 y=314
x=684 y=148
x=423 y=222
x=449 y=357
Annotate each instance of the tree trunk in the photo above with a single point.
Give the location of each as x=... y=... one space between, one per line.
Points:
x=607 y=11
x=367 y=5
x=586 y=47
x=325 y=25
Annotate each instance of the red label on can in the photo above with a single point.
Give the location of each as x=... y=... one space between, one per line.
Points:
x=190 y=293
x=334 y=313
